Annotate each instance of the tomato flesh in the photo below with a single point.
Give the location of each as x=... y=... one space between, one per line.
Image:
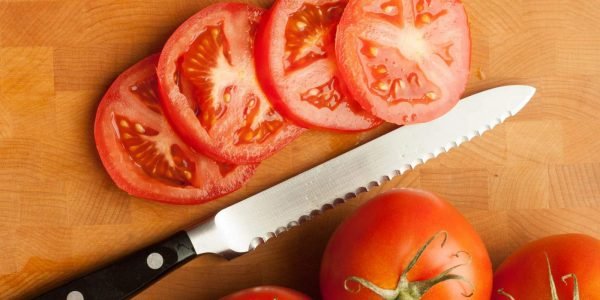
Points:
x=210 y=91
x=405 y=61
x=296 y=57
x=142 y=153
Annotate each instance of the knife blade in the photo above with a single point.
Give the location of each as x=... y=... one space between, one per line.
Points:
x=244 y=226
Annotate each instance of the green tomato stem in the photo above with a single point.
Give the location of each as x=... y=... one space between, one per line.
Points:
x=505 y=294
x=575 y=285
x=552 y=285
x=406 y=290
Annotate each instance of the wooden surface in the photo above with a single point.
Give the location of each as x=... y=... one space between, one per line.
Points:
x=60 y=214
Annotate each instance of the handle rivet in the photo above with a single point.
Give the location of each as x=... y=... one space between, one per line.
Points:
x=75 y=295
x=154 y=261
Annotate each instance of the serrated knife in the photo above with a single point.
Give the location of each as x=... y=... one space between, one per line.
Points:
x=243 y=226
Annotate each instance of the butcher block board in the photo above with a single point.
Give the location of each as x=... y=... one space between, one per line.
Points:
x=61 y=216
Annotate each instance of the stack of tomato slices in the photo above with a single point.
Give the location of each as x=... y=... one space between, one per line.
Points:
x=235 y=83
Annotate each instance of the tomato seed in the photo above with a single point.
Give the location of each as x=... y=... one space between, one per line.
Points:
x=390 y=9
x=381 y=69
x=382 y=86
x=301 y=25
x=139 y=128
x=214 y=32
x=373 y=51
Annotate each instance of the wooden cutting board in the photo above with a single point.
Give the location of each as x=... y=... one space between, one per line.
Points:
x=60 y=214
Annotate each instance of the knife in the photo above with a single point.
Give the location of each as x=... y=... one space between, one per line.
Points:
x=242 y=227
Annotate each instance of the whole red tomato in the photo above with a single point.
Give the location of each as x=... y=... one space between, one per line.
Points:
x=557 y=267
x=267 y=293
x=406 y=244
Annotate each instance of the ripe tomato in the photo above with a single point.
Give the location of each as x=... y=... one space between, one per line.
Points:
x=555 y=267
x=210 y=91
x=144 y=156
x=296 y=58
x=406 y=244
x=267 y=293
x=404 y=61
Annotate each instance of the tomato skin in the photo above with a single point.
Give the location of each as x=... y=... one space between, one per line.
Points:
x=381 y=237
x=445 y=70
x=130 y=177
x=524 y=274
x=182 y=116
x=267 y=293
x=269 y=57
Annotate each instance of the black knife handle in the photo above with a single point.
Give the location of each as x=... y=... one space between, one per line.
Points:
x=126 y=277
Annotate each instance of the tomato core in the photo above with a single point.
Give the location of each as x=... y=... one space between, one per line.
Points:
x=386 y=72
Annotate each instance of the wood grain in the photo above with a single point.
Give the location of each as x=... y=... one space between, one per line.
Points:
x=60 y=214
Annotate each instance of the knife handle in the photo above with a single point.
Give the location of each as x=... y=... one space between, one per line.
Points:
x=126 y=277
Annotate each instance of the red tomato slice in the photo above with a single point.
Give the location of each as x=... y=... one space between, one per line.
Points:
x=296 y=58
x=210 y=91
x=404 y=61
x=144 y=156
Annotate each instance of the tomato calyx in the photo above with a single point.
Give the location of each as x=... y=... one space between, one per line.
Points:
x=552 y=284
x=575 y=285
x=406 y=290
x=505 y=294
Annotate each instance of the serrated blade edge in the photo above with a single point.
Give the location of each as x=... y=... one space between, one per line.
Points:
x=245 y=225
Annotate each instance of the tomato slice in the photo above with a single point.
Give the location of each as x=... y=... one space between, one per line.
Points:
x=210 y=91
x=296 y=54
x=142 y=153
x=404 y=61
